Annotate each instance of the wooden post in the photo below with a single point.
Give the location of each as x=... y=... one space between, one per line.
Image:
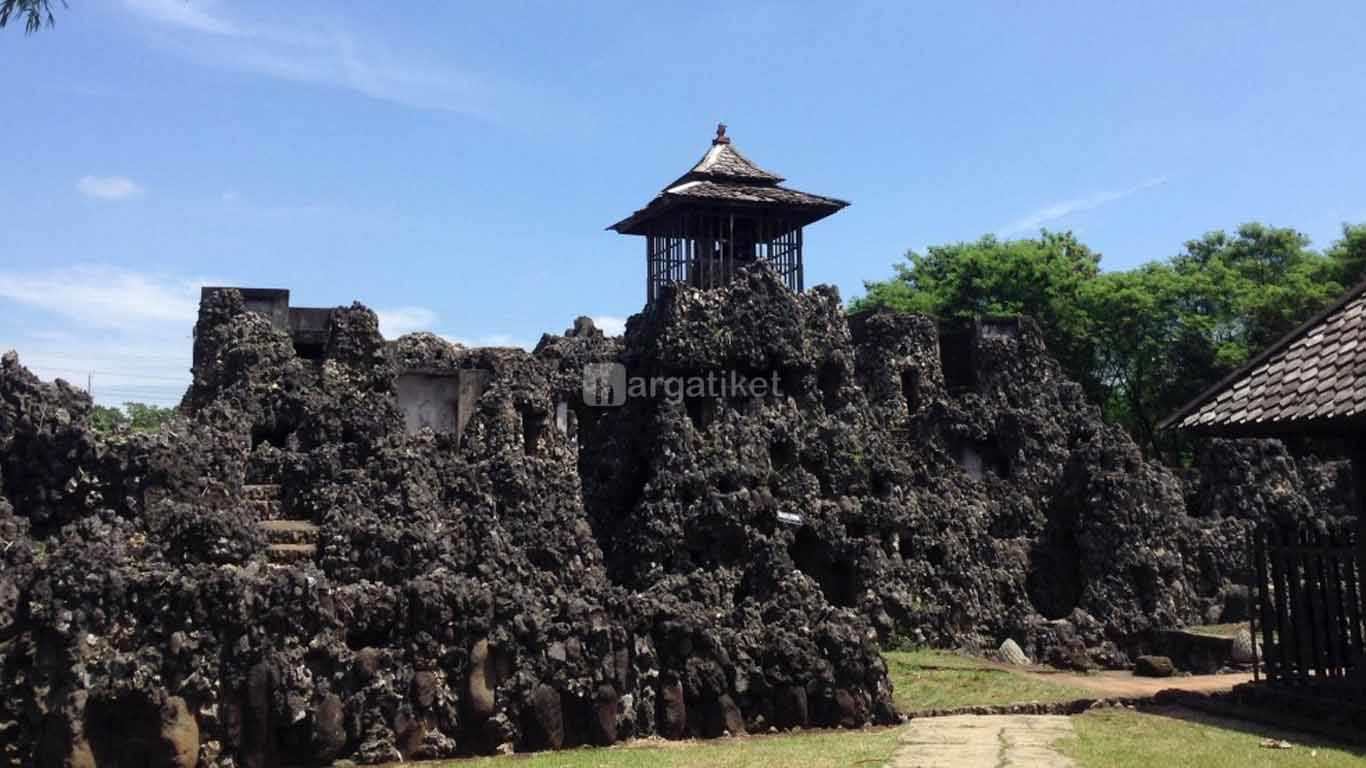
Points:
x=1357 y=443
x=1257 y=594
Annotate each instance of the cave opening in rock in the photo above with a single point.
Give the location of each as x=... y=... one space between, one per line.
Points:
x=814 y=558
x=274 y=434
x=910 y=389
x=533 y=429
x=955 y=358
x=782 y=453
x=789 y=383
x=701 y=410
x=828 y=379
x=978 y=458
x=310 y=350
x=1055 y=582
x=567 y=421
x=121 y=730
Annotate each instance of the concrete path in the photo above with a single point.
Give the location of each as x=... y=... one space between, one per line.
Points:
x=983 y=741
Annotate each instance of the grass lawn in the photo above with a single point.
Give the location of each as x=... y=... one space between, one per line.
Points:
x=1120 y=738
x=824 y=749
x=941 y=680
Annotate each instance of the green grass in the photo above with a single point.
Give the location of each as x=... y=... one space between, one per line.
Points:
x=1116 y=738
x=941 y=680
x=823 y=749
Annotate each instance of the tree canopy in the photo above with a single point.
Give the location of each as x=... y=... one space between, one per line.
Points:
x=1141 y=341
x=1041 y=277
x=139 y=417
x=35 y=13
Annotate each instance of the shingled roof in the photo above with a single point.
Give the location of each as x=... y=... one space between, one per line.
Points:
x=725 y=176
x=724 y=161
x=1311 y=381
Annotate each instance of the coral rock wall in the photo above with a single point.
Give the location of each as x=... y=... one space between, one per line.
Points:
x=285 y=574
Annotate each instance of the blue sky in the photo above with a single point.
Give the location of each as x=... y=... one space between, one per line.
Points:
x=453 y=165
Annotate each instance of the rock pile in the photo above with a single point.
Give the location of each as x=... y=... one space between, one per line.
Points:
x=287 y=574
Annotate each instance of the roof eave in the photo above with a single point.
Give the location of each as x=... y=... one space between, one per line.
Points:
x=1330 y=426
x=667 y=201
x=1282 y=343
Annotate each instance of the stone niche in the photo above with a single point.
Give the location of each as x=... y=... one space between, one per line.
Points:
x=442 y=401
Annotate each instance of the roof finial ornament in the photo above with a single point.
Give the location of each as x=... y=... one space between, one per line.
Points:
x=721 y=137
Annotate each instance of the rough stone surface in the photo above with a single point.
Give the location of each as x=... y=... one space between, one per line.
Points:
x=561 y=574
x=1011 y=653
x=1243 y=650
x=1153 y=666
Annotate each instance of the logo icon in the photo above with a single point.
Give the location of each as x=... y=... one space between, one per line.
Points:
x=604 y=385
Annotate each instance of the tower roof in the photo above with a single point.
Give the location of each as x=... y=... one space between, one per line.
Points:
x=725 y=177
x=724 y=161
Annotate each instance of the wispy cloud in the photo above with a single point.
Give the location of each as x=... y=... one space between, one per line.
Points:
x=1061 y=210
x=100 y=296
x=322 y=54
x=400 y=320
x=491 y=340
x=108 y=187
x=180 y=13
x=130 y=333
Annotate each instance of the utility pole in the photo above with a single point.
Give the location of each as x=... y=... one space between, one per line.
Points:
x=90 y=385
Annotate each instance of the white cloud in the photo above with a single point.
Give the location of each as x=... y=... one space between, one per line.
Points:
x=316 y=53
x=610 y=324
x=108 y=187
x=105 y=297
x=144 y=367
x=1066 y=208
x=491 y=340
x=130 y=333
x=400 y=320
x=182 y=13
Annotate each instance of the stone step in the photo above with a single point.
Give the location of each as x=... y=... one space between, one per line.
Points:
x=290 y=531
x=261 y=492
x=288 y=554
x=264 y=501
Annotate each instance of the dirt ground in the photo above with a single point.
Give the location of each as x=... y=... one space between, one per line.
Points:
x=1127 y=685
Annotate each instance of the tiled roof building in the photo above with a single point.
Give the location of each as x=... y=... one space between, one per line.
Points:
x=1311 y=381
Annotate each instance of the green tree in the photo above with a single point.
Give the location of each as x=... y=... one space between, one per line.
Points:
x=35 y=13
x=146 y=418
x=139 y=417
x=105 y=419
x=1253 y=287
x=1142 y=341
x=1042 y=277
x=1349 y=254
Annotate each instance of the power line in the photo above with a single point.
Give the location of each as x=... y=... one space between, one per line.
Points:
x=186 y=378
x=122 y=375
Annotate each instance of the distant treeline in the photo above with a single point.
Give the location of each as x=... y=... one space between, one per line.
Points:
x=138 y=417
x=1141 y=341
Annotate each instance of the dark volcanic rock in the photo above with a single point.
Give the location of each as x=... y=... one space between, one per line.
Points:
x=693 y=562
x=1153 y=666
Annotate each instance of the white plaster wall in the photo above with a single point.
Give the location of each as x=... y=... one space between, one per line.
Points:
x=428 y=402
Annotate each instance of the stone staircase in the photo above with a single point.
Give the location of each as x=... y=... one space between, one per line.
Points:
x=291 y=540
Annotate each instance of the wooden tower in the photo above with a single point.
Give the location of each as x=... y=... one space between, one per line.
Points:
x=723 y=214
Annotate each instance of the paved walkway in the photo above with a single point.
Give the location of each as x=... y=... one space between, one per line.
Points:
x=983 y=741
